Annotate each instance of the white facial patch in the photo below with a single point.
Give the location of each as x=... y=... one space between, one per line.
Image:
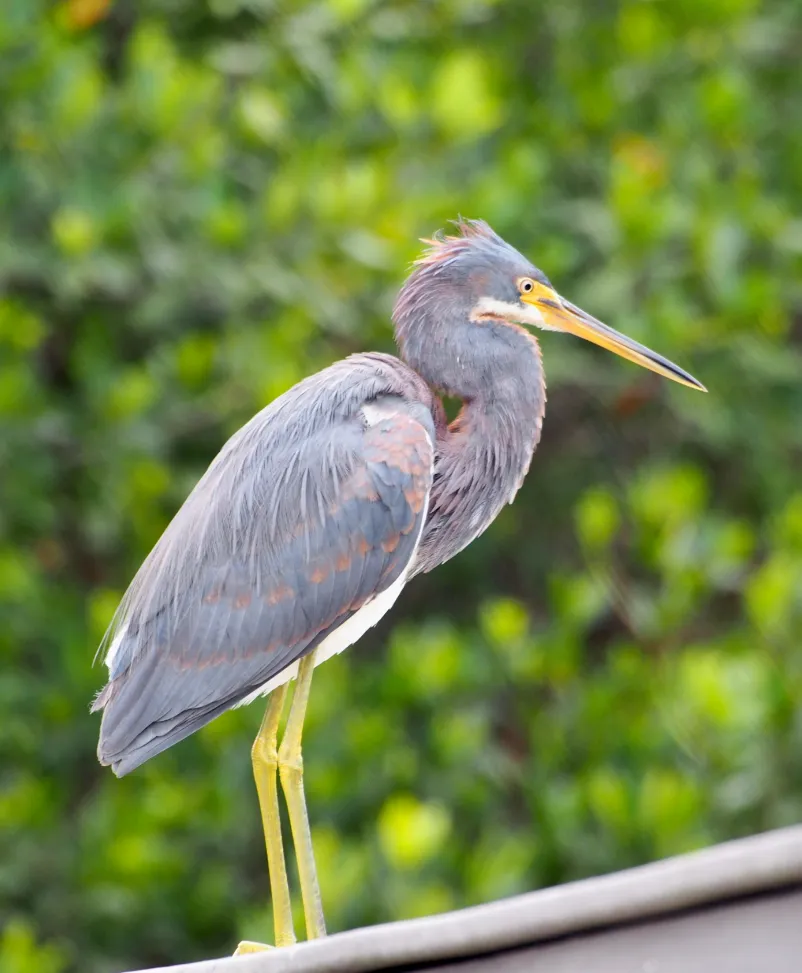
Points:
x=515 y=313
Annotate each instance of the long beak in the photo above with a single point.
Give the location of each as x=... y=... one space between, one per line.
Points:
x=561 y=315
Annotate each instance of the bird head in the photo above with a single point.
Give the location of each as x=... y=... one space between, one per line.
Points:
x=478 y=276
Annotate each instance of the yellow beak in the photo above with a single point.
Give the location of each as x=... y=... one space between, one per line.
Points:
x=561 y=315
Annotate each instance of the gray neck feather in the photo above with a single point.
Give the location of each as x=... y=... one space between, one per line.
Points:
x=483 y=456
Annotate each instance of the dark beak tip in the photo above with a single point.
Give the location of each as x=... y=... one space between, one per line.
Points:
x=695 y=383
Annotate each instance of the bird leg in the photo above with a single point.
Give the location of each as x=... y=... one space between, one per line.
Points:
x=264 y=757
x=291 y=770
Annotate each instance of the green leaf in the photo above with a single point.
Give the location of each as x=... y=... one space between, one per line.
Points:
x=464 y=103
x=411 y=831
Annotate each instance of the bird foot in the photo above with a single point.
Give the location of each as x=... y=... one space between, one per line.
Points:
x=247 y=946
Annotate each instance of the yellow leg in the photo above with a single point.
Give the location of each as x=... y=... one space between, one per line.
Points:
x=264 y=756
x=291 y=772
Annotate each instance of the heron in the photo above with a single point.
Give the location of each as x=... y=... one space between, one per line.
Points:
x=316 y=514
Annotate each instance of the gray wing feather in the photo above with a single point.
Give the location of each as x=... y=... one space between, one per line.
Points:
x=306 y=513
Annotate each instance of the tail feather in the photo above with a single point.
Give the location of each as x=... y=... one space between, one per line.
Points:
x=157 y=737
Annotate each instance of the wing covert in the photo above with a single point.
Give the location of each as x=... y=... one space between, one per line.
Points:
x=253 y=574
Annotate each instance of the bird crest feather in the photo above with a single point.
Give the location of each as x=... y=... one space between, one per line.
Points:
x=442 y=247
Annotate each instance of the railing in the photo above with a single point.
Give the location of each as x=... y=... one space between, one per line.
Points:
x=526 y=926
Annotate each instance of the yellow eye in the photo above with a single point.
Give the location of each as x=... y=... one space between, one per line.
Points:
x=526 y=286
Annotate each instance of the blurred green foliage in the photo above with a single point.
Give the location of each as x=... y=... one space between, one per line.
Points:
x=203 y=201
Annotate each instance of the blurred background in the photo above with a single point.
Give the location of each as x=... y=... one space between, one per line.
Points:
x=202 y=201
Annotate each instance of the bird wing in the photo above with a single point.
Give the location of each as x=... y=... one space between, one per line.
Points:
x=293 y=529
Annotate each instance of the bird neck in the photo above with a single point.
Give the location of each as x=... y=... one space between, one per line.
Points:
x=484 y=454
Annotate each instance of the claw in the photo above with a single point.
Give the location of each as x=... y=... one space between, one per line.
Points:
x=246 y=947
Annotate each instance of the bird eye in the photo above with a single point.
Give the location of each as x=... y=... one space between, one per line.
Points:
x=526 y=285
